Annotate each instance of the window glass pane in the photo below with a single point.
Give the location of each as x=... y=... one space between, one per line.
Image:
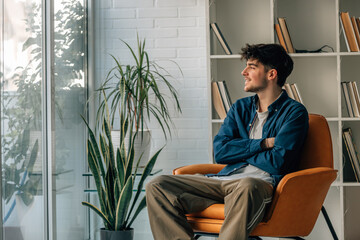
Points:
x=70 y=99
x=21 y=120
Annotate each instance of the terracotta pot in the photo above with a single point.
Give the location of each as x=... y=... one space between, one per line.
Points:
x=116 y=235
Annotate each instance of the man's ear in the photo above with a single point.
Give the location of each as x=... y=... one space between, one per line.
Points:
x=272 y=74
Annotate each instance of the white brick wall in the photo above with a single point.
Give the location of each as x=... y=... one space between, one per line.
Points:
x=174 y=30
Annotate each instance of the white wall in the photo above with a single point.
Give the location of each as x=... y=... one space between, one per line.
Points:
x=174 y=30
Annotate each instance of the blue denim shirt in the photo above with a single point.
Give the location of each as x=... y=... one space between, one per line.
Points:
x=288 y=122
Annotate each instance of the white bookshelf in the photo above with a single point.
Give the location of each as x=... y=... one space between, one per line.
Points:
x=312 y=24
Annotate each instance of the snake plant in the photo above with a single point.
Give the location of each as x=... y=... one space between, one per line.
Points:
x=114 y=175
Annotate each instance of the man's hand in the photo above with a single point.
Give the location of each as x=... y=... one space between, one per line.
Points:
x=268 y=143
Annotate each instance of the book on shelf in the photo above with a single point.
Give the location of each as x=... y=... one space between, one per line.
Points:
x=225 y=96
x=357 y=97
x=349 y=171
x=358 y=24
x=217 y=100
x=349 y=32
x=352 y=98
x=293 y=92
x=356 y=31
x=288 y=90
x=351 y=152
x=345 y=91
x=221 y=98
x=286 y=35
x=280 y=36
x=221 y=38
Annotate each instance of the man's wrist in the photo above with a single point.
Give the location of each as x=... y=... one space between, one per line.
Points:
x=263 y=144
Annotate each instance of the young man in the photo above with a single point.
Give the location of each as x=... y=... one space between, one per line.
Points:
x=260 y=141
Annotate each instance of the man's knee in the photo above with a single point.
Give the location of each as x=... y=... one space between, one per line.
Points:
x=250 y=185
x=156 y=182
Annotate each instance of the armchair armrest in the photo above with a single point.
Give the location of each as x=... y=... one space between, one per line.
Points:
x=299 y=198
x=199 y=168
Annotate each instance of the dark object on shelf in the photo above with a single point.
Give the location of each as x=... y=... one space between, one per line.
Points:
x=314 y=51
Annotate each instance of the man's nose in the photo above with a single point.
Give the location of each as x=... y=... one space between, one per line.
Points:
x=244 y=72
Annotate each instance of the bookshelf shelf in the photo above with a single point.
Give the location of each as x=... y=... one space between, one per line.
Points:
x=233 y=56
x=332 y=54
x=349 y=53
x=312 y=24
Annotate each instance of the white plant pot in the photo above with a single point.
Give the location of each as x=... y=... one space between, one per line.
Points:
x=31 y=217
x=142 y=145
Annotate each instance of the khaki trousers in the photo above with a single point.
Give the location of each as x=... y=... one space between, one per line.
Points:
x=170 y=197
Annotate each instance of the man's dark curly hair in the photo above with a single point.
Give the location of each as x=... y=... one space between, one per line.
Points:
x=272 y=56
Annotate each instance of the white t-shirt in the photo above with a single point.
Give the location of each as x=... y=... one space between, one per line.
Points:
x=250 y=170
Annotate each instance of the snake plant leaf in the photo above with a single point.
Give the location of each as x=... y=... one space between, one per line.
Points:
x=147 y=170
x=101 y=214
x=130 y=159
x=123 y=204
x=94 y=145
x=140 y=207
x=92 y=158
x=110 y=175
x=120 y=168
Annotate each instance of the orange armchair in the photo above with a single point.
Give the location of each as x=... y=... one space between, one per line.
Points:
x=290 y=213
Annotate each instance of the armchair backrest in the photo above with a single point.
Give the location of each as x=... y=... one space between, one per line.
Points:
x=317 y=151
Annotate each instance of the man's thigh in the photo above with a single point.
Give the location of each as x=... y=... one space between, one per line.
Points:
x=190 y=192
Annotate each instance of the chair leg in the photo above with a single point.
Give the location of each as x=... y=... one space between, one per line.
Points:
x=328 y=222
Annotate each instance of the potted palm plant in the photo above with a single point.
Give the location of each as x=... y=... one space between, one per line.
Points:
x=114 y=176
x=148 y=88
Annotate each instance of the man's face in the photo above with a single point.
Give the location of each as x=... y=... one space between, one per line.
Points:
x=255 y=76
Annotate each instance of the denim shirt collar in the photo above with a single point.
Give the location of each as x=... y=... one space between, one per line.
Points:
x=275 y=105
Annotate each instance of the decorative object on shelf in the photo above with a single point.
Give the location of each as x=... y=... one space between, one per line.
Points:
x=352 y=98
x=221 y=98
x=350 y=152
x=221 y=38
x=349 y=32
x=145 y=98
x=114 y=174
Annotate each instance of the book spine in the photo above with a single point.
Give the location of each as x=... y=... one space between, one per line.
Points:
x=349 y=31
x=285 y=33
x=347 y=99
x=353 y=100
x=347 y=156
x=352 y=151
x=217 y=101
x=280 y=36
x=220 y=38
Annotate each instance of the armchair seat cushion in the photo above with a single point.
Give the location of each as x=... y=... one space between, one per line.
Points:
x=215 y=211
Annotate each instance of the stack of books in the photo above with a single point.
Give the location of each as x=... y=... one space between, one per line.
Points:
x=293 y=91
x=350 y=156
x=351 y=29
x=283 y=35
x=221 y=38
x=352 y=98
x=221 y=98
